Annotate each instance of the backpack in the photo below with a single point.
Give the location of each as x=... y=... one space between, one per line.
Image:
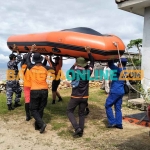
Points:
x=75 y=83
x=126 y=88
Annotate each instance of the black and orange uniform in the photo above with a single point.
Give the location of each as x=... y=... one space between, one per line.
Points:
x=79 y=96
x=39 y=90
x=57 y=68
x=56 y=81
x=26 y=87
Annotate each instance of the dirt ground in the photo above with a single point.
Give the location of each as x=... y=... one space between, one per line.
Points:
x=17 y=134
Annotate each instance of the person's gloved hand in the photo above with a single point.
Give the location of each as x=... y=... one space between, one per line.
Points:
x=33 y=48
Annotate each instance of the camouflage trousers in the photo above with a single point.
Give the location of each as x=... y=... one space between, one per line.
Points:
x=11 y=88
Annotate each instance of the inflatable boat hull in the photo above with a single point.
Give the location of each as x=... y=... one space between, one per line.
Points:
x=70 y=42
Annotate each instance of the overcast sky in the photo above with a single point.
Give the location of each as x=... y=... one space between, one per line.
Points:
x=34 y=16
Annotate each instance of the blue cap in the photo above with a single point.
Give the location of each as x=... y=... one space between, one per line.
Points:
x=123 y=60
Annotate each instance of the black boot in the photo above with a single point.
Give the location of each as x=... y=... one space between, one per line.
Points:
x=78 y=133
x=27 y=109
x=60 y=99
x=17 y=105
x=87 y=111
x=36 y=126
x=43 y=128
x=10 y=107
x=53 y=102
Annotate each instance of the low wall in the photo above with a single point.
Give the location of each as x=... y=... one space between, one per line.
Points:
x=63 y=85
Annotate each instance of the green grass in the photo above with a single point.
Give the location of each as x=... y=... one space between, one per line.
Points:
x=3 y=105
x=87 y=139
x=3 y=109
x=58 y=125
x=64 y=133
x=56 y=114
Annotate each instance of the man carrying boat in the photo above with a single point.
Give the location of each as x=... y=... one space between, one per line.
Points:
x=57 y=65
x=80 y=93
x=39 y=88
x=12 y=83
x=115 y=96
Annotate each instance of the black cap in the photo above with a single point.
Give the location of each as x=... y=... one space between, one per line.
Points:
x=37 y=58
x=11 y=56
x=24 y=59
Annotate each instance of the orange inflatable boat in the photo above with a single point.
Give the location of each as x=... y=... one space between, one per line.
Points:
x=70 y=42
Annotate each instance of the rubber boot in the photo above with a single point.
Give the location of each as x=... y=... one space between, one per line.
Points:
x=10 y=107
x=17 y=104
x=27 y=109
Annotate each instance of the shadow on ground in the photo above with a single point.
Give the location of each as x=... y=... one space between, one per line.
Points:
x=138 y=142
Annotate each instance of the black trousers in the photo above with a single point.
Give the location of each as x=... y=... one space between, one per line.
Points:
x=73 y=103
x=55 y=84
x=38 y=101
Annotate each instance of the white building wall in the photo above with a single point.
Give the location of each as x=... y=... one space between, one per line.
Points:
x=146 y=49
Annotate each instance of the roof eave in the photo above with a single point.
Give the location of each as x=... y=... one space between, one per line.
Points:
x=134 y=6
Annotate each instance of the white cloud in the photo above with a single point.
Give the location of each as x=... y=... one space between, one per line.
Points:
x=3 y=45
x=3 y=59
x=23 y=17
x=68 y=61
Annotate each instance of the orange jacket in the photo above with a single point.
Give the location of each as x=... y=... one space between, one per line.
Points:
x=38 y=75
x=26 y=76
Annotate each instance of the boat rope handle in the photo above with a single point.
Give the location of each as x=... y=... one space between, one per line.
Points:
x=135 y=69
x=131 y=59
x=133 y=62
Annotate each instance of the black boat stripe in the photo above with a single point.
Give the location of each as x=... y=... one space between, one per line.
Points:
x=67 y=46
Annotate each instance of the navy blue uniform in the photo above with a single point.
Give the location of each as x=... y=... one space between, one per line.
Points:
x=115 y=98
x=12 y=85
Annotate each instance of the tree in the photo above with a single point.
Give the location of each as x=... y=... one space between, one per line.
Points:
x=136 y=61
x=136 y=43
